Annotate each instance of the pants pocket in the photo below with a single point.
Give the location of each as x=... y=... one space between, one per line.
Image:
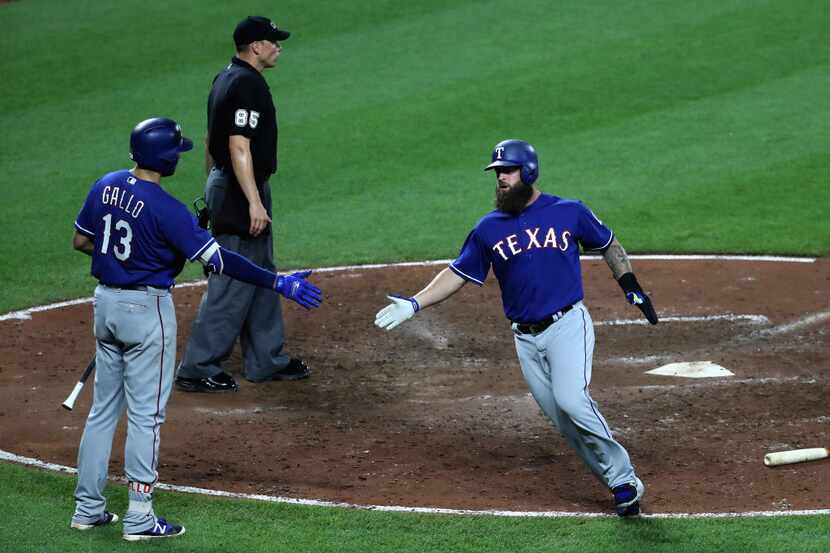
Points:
x=131 y=307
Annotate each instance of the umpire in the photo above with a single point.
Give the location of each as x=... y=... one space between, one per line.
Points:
x=240 y=157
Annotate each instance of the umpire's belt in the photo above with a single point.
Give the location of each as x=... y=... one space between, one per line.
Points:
x=541 y=326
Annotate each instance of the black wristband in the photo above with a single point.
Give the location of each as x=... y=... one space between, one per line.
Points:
x=628 y=283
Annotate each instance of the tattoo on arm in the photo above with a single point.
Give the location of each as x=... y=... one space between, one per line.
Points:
x=617 y=259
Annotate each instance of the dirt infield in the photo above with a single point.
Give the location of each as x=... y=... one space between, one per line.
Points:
x=436 y=413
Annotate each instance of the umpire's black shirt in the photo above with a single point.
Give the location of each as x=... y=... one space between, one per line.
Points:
x=240 y=104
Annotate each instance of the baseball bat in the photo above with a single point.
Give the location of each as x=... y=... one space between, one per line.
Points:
x=69 y=403
x=795 y=456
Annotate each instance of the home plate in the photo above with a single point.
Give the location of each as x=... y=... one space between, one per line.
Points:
x=694 y=369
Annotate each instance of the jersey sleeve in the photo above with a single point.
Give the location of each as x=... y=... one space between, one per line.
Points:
x=473 y=263
x=181 y=229
x=85 y=222
x=244 y=108
x=593 y=234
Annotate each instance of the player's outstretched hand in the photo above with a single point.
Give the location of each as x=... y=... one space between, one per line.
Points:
x=401 y=309
x=635 y=296
x=295 y=287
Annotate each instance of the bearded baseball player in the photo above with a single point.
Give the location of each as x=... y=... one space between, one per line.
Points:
x=532 y=242
x=139 y=237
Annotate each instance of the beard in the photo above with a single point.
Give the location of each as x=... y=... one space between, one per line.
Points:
x=514 y=199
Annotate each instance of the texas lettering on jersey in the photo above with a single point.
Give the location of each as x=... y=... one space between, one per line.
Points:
x=532 y=240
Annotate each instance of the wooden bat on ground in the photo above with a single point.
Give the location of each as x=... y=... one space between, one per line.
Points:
x=69 y=403
x=795 y=456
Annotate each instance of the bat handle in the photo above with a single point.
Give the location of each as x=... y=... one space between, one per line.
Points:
x=70 y=400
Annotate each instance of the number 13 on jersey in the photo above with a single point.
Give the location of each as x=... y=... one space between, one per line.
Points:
x=122 y=253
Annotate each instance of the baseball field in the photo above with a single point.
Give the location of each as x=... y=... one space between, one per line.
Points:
x=689 y=128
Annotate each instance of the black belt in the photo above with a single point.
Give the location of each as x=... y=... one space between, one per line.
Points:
x=140 y=287
x=541 y=326
x=137 y=287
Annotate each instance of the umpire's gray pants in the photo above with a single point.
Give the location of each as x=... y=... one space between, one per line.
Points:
x=231 y=308
x=134 y=362
x=557 y=366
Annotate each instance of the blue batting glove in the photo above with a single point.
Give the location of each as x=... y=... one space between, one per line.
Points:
x=296 y=288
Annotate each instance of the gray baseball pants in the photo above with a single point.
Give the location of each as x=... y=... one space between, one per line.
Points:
x=134 y=364
x=556 y=364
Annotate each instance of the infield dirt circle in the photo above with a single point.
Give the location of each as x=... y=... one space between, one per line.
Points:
x=436 y=413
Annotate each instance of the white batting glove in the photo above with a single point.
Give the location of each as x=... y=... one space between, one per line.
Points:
x=401 y=309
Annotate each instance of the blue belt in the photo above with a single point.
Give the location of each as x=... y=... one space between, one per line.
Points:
x=541 y=326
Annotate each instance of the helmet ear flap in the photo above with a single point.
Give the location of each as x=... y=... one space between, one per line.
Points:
x=530 y=172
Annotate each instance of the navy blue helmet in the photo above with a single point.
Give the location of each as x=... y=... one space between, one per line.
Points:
x=516 y=153
x=156 y=143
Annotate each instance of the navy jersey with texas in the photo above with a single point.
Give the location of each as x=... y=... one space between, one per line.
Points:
x=535 y=255
x=142 y=234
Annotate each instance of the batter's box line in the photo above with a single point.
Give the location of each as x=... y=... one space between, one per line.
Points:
x=29 y=461
x=753 y=319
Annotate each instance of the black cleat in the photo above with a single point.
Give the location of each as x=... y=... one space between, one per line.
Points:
x=295 y=370
x=222 y=382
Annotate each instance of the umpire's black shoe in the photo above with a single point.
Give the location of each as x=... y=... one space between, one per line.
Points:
x=295 y=370
x=222 y=382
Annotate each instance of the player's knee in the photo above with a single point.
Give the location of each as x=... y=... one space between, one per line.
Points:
x=145 y=420
x=571 y=405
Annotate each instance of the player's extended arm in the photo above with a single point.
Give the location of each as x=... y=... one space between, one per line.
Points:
x=620 y=266
x=404 y=308
x=294 y=286
x=243 y=168
x=83 y=243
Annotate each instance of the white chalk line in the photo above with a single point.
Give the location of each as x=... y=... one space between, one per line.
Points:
x=27 y=313
x=799 y=324
x=754 y=319
x=647 y=257
x=706 y=257
x=29 y=461
x=709 y=383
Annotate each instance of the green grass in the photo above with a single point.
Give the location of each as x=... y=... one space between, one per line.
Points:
x=687 y=127
x=45 y=501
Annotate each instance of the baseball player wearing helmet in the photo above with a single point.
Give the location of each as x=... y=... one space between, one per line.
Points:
x=139 y=237
x=532 y=242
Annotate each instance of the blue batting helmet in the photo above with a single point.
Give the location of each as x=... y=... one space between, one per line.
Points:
x=156 y=143
x=516 y=153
